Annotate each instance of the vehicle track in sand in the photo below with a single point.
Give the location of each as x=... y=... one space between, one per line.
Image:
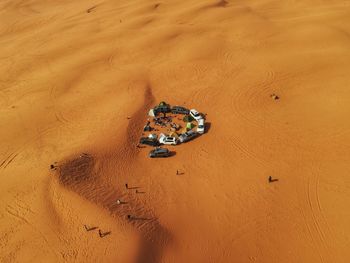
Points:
x=316 y=222
x=244 y=101
x=6 y=162
x=22 y=26
x=253 y=104
x=59 y=115
x=244 y=150
x=13 y=154
x=20 y=212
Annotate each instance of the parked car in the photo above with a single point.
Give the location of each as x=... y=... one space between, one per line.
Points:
x=187 y=136
x=180 y=110
x=159 y=152
x=200 y=126
x=149 y=141
x=163 y=139
x=195 y=114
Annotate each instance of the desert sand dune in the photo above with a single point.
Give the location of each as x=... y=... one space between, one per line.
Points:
x=77 y=79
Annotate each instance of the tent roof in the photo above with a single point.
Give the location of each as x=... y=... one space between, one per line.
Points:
x=189 y=125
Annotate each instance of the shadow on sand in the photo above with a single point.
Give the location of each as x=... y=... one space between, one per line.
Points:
x=91 y=177
x=172 y=153
x=207 y=127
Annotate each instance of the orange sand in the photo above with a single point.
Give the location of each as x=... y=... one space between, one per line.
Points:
x=71 y=73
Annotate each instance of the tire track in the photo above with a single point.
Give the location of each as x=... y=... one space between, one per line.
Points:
x=310 y=232
x=58 y=114
x=236 y=58
x=9 y=159
x=252 y=104
x=204 y=95
x=18 y=213
x=319 y=239
x=60 y=118
x=325 y=229
x=316 y=222
x=245 y=151
x=246 y=100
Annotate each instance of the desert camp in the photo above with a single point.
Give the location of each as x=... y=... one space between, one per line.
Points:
x=250 y=165
x=178 y=124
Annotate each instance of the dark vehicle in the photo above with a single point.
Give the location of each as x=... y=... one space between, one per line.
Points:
x=162 y=107
x=159 y=152
x=149 y=141
x=180 y=110
x=187 y=136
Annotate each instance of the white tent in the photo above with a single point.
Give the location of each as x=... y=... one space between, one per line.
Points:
x=152 y=136
x=151 y=113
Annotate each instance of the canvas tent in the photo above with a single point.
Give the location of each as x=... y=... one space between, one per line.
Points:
x=151 y=113
x=187 y=118
x=189 y=125
x=152 y=136
x=147 y=127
